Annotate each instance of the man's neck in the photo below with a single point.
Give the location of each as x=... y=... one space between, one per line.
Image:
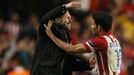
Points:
x=101 y=33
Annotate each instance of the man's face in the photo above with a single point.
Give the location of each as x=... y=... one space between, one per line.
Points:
x=66 y=20
x=92 y=26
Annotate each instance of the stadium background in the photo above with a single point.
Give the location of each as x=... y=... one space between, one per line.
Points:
x=19 y=20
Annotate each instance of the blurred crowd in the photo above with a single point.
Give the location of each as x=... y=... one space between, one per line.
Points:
x=16 y=44
x=18 y=31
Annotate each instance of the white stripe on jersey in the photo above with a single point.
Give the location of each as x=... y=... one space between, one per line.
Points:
x=104 y=72
x=91 y=48
x=114 y=55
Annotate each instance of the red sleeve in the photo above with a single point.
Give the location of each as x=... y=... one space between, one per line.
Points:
x=96 y=44
x=73 y=38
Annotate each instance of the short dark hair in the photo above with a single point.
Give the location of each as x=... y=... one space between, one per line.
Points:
x=103 y=19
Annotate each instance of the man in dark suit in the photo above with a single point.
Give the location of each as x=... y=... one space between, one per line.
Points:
x=49 y=59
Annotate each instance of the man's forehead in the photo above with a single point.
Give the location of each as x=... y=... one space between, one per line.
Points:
x=91 y=20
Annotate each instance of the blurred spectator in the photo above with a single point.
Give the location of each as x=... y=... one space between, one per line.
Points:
x=25 y=46
x=78 y=25
x=34 y=22
x=13 y=29
x=1 y=23
x=16 y=66
x=13 y=26
x=31 y=28
x=19 y=71
x=3 y=49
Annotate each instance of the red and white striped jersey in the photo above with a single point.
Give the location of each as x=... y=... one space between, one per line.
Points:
x=108 y=54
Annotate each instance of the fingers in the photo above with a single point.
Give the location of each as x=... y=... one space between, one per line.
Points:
x=45 y=26
x=73 y=4
x=50 y=24
x=77 y=4
x=48 y=27
x=48 y=32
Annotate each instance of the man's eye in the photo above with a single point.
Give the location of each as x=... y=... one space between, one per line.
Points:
x=92 y=26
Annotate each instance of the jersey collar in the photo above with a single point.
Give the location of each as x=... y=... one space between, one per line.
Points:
x=108 y=33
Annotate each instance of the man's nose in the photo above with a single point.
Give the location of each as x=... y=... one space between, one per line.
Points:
x=70 y=20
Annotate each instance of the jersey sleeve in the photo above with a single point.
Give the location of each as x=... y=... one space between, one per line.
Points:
x=96 y=44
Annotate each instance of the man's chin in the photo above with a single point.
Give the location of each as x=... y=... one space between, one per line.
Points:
x=69 y=27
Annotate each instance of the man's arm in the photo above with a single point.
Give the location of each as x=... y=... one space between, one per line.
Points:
x=81 y=65
x=59 y=11
x=78 y=48
x=78 y=64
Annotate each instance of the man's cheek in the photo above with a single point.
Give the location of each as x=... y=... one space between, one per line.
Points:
x=69 y=26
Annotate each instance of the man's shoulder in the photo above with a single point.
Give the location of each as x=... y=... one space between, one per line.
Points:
x=99 y=39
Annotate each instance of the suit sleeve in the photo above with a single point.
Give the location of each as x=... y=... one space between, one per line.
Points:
x=58 y=11
x=79 y=64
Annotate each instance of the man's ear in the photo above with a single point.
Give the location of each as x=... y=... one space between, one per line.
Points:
x=98 y=28
x=57 y=20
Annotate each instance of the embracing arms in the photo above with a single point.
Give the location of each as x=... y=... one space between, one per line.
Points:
x=78 y=48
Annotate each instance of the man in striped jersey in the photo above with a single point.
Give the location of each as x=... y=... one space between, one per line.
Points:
x=105 y=46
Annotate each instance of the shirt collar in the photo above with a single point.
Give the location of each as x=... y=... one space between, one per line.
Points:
x=108 y=33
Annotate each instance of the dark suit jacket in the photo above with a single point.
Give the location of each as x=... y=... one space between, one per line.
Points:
x=49 y=59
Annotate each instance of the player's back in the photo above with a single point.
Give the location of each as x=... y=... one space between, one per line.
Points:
x=113 y=55
x=108 y=55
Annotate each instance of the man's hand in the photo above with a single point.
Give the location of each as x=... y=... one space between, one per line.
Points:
x=78 y=48
x=48 y=28
x=73 y=4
